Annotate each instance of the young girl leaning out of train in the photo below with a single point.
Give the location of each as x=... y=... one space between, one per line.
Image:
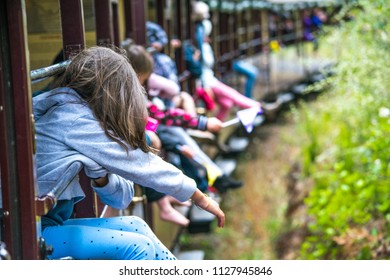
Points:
x=98 y=116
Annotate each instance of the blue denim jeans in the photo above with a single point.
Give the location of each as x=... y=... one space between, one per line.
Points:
x=251 y=74
x=115 y=238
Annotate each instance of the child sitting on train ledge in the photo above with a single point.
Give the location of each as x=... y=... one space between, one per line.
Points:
x=163 y=63
x=165 y=66
x=164 y=202
x=225 y=96
x=171 y=133
x=83 y=120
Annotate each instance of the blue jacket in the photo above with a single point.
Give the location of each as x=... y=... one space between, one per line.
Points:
x=66 y=130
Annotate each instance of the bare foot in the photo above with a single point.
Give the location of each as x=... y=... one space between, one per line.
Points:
x=173 y=200
x=174 y=216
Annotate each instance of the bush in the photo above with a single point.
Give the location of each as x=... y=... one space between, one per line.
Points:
x=347 y=150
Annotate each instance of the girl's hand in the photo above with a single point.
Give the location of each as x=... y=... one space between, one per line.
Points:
x=187 y=151
x=196 y=55
x=214 y=125
x=101 y=182
x=175 y=43
x=209 y=205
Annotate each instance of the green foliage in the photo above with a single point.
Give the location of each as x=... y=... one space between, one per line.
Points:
x=347 y=148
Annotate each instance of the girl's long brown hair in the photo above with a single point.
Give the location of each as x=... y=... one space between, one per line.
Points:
x=105 y=79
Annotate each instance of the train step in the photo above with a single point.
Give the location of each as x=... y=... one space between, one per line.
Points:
x=227 y=165
x=286 y=97
x=237 y=144
x=200 y=220
x=299 y=89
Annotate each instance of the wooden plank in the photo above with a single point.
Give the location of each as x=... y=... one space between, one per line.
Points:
x=22 y=216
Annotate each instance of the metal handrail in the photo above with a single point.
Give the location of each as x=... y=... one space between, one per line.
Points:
x=49 y=71
x=49 y=200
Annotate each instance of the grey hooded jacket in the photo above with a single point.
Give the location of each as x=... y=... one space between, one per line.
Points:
x=66 y=130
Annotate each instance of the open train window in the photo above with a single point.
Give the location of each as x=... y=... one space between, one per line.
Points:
x=45 y=33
